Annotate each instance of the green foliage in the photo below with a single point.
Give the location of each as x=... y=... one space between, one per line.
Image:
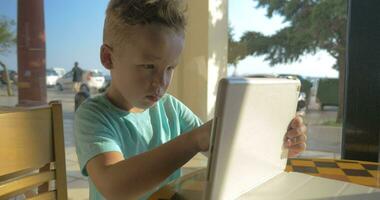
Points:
x=235 y=49
x=7 y=37
x=313 y=25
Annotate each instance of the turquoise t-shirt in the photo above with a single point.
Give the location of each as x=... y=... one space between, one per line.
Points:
x=102 y=127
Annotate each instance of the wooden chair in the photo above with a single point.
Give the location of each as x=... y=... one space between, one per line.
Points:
x=32 y=154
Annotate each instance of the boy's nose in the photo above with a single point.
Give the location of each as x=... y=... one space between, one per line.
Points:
x=158 y=88
x=159 y=81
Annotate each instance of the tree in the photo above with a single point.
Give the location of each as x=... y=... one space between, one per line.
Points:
x=313 y=25
x=7 y=40
x=7 y=37
x=235 y=49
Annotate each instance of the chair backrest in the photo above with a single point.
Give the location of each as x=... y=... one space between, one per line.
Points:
x=32 y=154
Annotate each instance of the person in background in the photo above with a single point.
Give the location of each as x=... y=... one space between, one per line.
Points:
x=77 y=77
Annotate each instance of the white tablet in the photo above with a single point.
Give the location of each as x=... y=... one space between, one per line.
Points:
x=251 y=118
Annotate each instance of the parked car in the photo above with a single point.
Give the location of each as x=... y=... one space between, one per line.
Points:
x=60 y=71
x=107 y=83
x=306 y=86
x=262 y=76
x=51 y=77
x=91 y=80
x=328 y=92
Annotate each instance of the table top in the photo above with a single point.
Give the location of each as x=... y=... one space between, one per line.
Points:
x=358 y=172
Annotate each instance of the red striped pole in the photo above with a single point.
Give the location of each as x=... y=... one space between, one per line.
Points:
x=31 y=53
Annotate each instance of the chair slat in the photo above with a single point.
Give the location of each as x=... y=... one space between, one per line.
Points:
x=16 y=174
x=44 y=196
x=23 y=184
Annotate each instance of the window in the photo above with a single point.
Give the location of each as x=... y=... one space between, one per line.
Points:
x=296 y=40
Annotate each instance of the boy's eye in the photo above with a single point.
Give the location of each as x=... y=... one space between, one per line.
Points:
x=148 y=66
x=170 y=68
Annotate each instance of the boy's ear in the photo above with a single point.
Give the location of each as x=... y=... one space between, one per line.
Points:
x=105 y=56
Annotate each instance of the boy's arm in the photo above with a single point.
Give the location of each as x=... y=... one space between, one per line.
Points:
x=117 y=178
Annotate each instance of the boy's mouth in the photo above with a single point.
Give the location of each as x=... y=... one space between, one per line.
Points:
x=153 y=98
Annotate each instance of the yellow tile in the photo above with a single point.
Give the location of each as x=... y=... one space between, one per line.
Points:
x=369 y=163
x=288 y=168
x=303 y=163
x=369 y=181
x=349 y=166
x=374 y=173
x=323 y=160
x=330 y=171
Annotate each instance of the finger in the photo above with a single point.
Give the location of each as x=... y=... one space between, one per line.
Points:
x=293 y=154
x=295 y=141
x=296 y=149
x=298 y=140
x=292 y=133
x=297 y=122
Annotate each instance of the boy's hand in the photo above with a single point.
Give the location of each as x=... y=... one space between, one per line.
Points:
x=295 y=138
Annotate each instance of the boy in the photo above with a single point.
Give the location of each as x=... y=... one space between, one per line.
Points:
x=135 y=137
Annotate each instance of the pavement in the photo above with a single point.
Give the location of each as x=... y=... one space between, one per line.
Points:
x=323 y=141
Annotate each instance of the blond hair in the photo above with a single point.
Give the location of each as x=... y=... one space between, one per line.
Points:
x=123 y=13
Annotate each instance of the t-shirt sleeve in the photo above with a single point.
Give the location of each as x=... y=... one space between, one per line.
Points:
x=187 y=119
x=93 y=136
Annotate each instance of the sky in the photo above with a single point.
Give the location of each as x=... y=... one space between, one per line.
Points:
x=74 y=33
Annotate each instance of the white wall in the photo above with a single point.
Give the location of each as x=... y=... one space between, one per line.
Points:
x=204 y=59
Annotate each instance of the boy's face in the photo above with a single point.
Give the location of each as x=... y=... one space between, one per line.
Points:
x=143 y=66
